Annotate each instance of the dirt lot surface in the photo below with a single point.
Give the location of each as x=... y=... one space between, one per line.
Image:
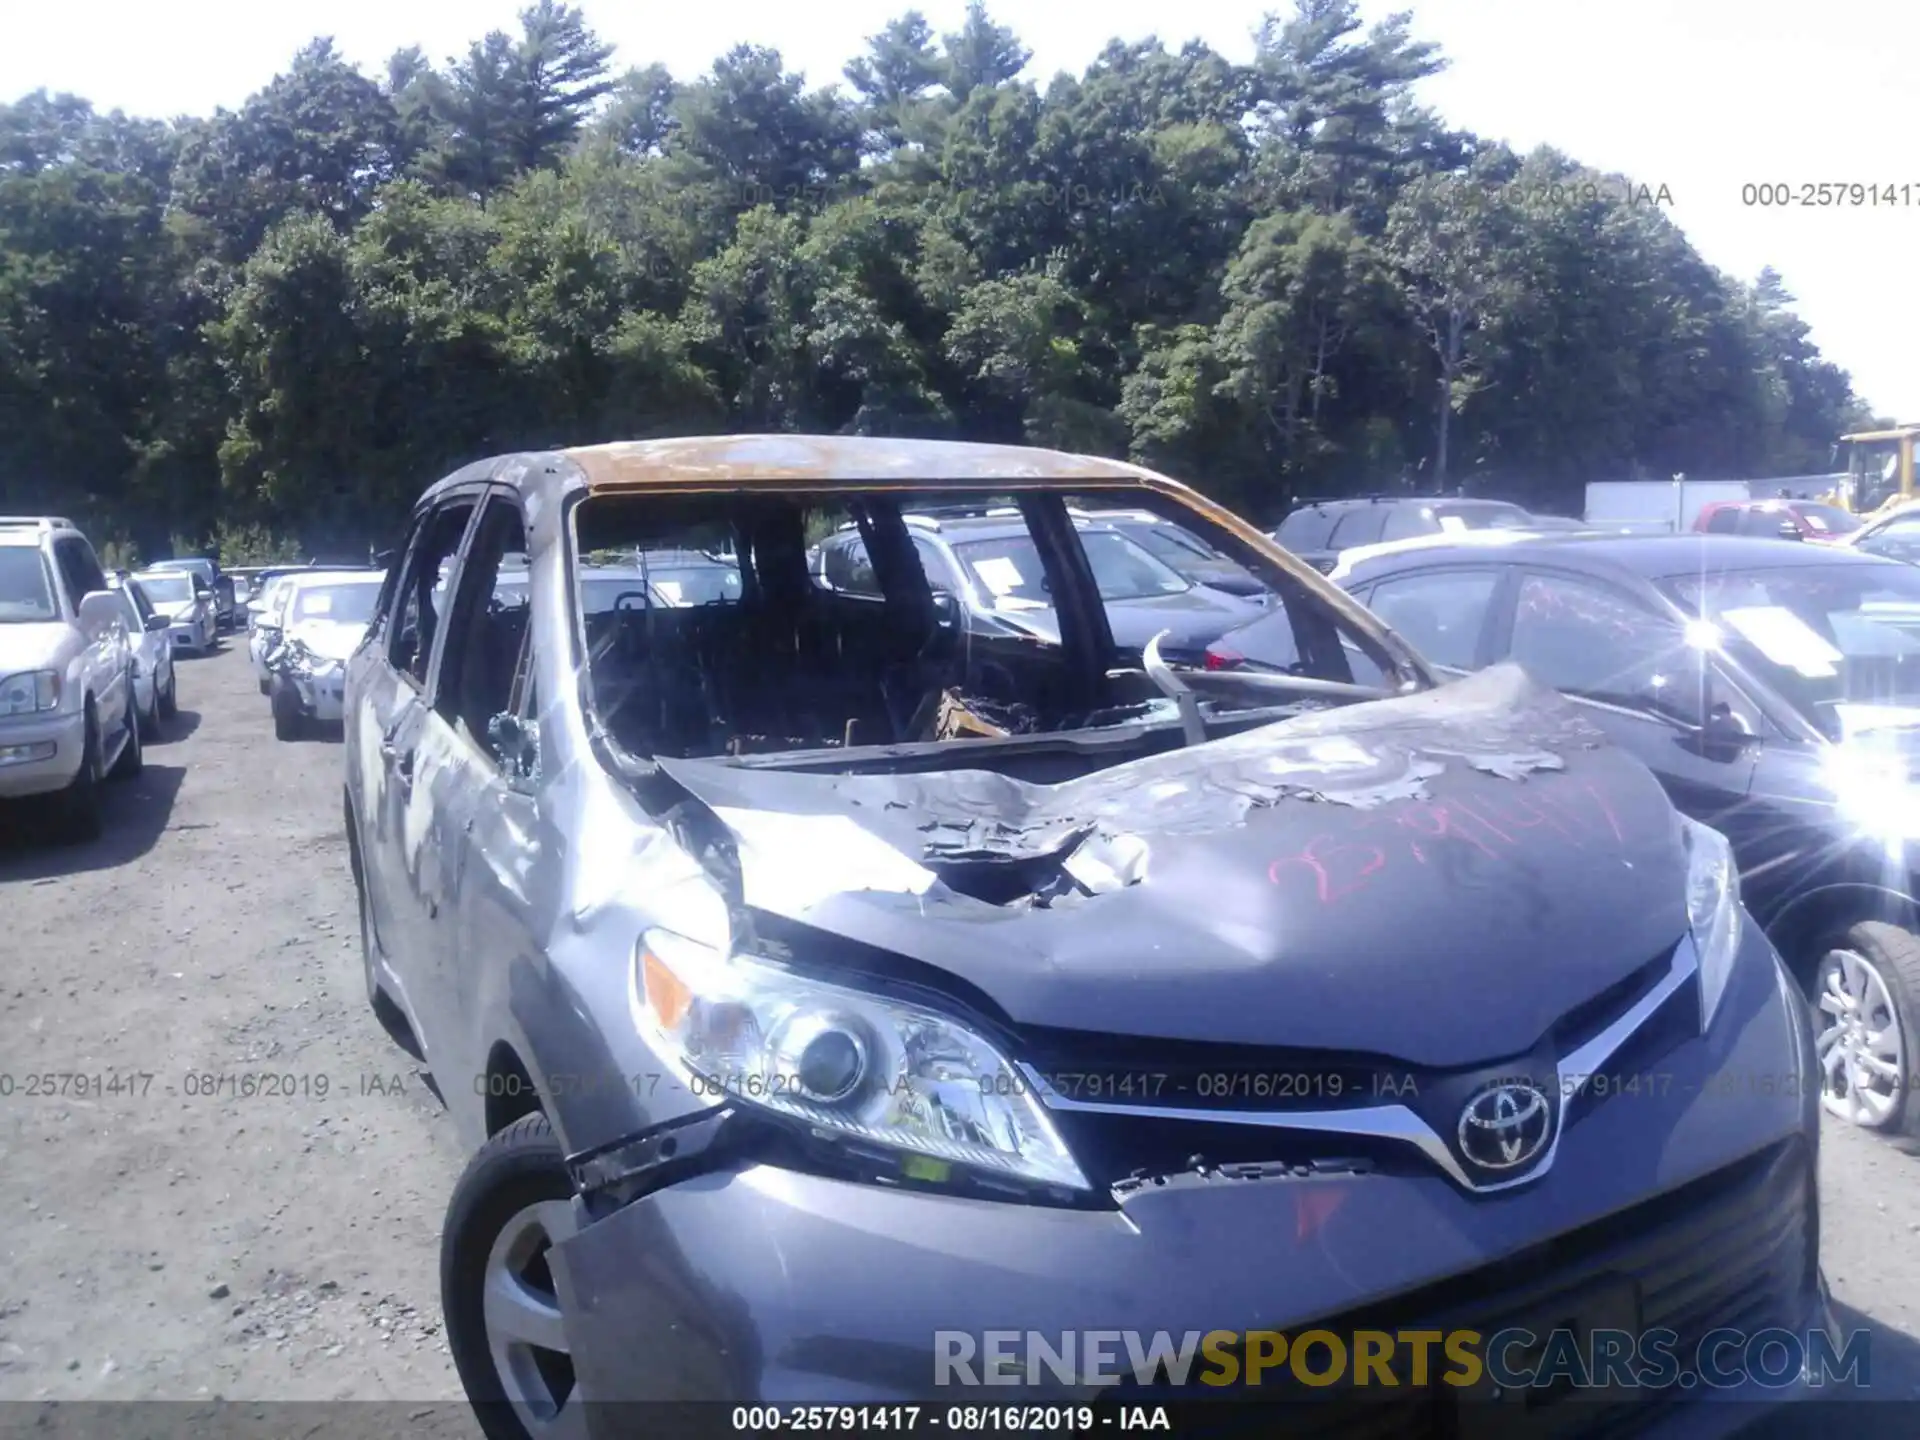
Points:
x=256 y=1214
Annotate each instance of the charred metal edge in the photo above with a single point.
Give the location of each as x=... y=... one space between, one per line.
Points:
x=1398 y=1122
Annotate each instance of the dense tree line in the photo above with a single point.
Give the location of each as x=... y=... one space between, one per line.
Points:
x=1276 y=279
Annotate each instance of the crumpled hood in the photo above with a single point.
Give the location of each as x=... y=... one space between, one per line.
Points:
x=1438 y=877
x=38 y=645
x=329 y=639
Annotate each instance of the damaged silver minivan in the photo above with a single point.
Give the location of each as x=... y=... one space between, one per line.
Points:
x=815 y=970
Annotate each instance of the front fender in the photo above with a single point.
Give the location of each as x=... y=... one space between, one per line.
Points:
x=1812 y=917
x=598 y=1082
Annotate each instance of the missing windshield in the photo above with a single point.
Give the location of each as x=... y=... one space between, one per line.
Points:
x=739 y=624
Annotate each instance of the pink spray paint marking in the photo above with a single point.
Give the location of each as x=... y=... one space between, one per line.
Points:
x=1344 y=863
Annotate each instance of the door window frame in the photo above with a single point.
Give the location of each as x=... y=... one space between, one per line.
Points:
x=521 y=686
x=69 y=553
x=469 y=495
x=1499 y=599
x=1721 y=682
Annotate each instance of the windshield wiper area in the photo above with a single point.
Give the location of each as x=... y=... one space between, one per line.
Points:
x=1180 y=685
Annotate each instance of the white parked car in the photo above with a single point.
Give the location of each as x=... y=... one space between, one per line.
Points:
x=156 y=694
x=263 y=627
x=188 y=603
x=323 y=617
x=67 y=718
x=259 y=584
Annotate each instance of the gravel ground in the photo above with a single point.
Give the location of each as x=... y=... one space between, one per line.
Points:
x=257 y=1213
x=222 y=1227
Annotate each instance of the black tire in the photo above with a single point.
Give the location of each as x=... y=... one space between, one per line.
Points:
x=1895 y=954
x=132 y=754
x=522 y=1165
x=288 y=723
x=78 y=815
x=170 y=697
x=266 y=687
x=150 y=717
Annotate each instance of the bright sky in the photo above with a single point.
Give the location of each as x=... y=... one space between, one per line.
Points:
x=1704 y=97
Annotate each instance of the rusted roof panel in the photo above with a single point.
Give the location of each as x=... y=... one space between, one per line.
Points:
x=786 y=459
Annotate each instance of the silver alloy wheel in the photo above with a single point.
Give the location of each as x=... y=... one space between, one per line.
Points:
x=526 y=1335
x=1862 y=1058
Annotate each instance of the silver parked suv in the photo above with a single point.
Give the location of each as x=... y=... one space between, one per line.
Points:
x=67 y=717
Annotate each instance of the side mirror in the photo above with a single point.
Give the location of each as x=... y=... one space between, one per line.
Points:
x=516 y=745
x=157 y=622
x=946 y=608
x=100 y=610
x=1724 y=736
x=1722 y=721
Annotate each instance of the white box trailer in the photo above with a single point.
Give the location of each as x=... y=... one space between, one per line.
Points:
x=1662 y=505
x=1672 y=505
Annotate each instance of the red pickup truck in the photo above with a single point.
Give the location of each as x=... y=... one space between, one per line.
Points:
x=1808 y=520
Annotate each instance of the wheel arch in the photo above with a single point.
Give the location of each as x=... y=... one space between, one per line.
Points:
x=355 y=866
x=509 y=1089
x=1800 y=927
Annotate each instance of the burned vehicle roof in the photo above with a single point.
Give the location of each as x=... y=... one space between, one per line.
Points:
x=792 y=460
x=783 y=459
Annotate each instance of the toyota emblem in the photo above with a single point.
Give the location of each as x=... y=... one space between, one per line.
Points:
x=1506 y=1125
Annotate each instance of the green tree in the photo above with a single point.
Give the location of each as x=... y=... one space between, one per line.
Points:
x=511 y=105
x=318 y=140
x=1449 y=235
x=638 y=119
x=894 y=78
x=981 y=54
x=287 y=318
x=1297 y=295
x=752 y=133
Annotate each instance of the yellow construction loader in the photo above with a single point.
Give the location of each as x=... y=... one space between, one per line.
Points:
x=1879 y=469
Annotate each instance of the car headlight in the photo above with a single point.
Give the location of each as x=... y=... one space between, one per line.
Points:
x=843 y=1061
x=29 y=692
x=1713 y=911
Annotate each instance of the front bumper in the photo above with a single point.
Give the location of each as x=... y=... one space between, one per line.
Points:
x=322 y=696
x=191 y=637
x=766 y=1284
x=40 y=754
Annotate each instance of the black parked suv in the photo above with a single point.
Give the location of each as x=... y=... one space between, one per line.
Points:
x=1774 y=690
x=986 y=561
x=1318 y=530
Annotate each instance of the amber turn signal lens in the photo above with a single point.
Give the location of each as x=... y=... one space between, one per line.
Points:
x=666 y=995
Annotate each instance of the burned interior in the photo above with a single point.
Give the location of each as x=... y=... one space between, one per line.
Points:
x=831 y=621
